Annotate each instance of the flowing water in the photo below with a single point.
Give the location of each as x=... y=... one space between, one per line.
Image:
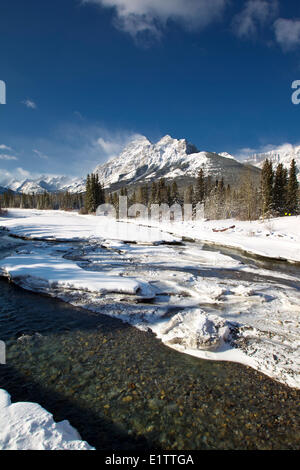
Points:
x=124 y=390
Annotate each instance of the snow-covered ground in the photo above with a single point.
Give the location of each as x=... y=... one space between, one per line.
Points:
x=28 y=426
x=272 y=238
x=199 y=302
x=70 y=226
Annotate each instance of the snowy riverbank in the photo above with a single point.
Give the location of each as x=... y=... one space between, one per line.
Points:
x=28 y=426
x=200 y=302
x=272 y=238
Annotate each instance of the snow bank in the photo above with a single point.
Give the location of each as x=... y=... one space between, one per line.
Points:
x=275 y=238
x=212 y=337
x=71 y=226
x=42 y=271
x=193 y=329
x=28 y=426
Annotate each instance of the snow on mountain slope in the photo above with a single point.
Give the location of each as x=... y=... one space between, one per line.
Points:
x=227 y=155
x=47 y=183
x=142 y=161
x=283 y=154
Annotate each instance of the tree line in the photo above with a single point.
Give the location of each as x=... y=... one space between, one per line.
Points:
x=279 y=190
x=275 y=193
x=54 y=201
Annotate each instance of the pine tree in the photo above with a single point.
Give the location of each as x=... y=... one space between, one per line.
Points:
x=175 y=196
x=88 y=195
x=267 y=177
x=153 y=194
x=189 y=195
x=142 y=195
x=200 y=188
x=208 y=186
x=280 y=190
x=292 y=190
x=162 y=192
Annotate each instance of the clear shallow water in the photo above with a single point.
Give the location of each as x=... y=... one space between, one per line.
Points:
x=123 y=389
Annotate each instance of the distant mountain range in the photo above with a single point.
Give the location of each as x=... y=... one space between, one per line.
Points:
x=143 y=162
x=283 y=154
x=49 y=184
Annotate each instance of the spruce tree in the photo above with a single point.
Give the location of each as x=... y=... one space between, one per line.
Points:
x=200 y=188
x=292 y=190
x=267 y=177
x=175 y=196
x=153 y=193
x=87 y=193
x=280 y=190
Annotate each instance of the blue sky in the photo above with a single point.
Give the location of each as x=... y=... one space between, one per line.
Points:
x=83 y=77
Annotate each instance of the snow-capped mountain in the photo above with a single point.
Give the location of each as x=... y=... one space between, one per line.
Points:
x=48 y=184
x=142 y=161
x=283 y=154
x=226 y=155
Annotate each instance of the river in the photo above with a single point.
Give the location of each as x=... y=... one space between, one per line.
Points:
x=123 y=389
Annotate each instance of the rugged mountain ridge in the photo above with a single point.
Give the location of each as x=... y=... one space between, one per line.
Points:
x=142 y=161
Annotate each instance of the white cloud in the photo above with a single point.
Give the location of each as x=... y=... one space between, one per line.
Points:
x=151 y=16
x=255 y=14
x=5 y=147
x=29 y=104
x=18 y=173
x=79 y=147
x=287 y=32
x=7 y=157
x=23 y=173
x=5 y=177
x=244 y=153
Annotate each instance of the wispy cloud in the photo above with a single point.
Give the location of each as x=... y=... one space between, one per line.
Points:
x=96 y=143
x=112 y=146
x=138 y=17
x=40 y=154
x=29 y=104
x=7 y=157
x=78 y=115
x=287 y=32
x=76 y=148
x=255 y=14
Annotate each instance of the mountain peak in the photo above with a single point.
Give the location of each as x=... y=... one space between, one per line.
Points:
x=167 y=139
x=139 y=139
x=144 y=162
